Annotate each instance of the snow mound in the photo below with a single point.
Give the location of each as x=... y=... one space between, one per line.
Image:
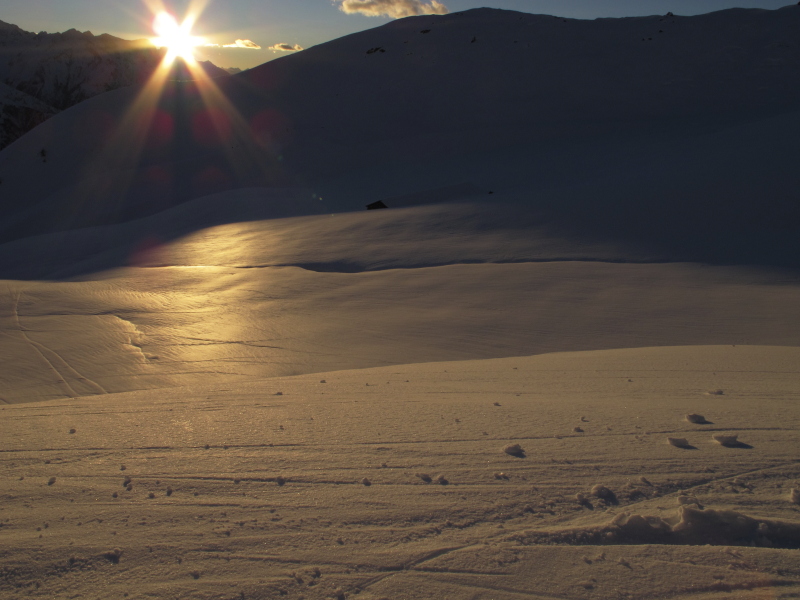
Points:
x=692 y=525
x=689 y=525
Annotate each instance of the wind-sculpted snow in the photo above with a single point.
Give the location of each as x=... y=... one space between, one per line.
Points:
x=159 y=326
x=414 y=237
x=163 y=301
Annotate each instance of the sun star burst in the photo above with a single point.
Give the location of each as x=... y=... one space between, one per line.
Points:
x=176 y=38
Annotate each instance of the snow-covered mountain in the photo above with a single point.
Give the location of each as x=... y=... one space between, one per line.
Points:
x=644 y=126
x=673 y=131
x=19 y=113
x=529 y=377
x=48 y=72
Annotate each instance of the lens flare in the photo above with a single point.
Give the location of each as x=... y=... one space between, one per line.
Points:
x=176 y=38
x=151 y=127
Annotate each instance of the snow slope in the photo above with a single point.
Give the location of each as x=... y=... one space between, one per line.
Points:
x=328 y=485
x=304 y=294
x=223 y=378
x=693 y=130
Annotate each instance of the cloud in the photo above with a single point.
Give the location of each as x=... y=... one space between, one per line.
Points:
x=243 y=44
x=237 y=44
x=282 y=47
x=397 y=9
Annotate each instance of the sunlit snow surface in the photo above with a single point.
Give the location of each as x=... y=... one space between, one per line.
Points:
x=224 y=378
x=302 y=486
x=289 y=296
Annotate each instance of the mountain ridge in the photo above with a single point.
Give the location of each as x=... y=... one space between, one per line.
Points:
x=625 y=124
x=60 y=70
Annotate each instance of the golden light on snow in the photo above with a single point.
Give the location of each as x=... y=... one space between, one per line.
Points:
x=176 y=38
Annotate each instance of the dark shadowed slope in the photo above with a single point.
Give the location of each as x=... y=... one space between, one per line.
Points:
x=678 y=133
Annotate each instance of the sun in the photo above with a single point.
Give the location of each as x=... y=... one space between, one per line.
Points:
x=177 y=39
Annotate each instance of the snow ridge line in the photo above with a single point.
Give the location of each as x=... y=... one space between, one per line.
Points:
x=348 y=267
x=321 y=267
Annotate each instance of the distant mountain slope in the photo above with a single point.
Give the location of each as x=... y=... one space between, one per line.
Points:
x=681 y=130
x=59 y=70
x=19 y=113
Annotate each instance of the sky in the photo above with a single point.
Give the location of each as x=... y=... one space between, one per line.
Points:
x=272 y=28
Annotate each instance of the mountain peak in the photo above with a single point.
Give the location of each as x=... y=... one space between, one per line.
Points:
x=9 y=27
x=43 y=82
x=582 y=115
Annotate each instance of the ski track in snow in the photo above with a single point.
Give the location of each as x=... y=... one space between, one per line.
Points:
x=43 y=350
x=240 y=447
x=60 y=379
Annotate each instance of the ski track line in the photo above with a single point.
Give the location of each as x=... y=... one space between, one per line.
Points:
x=730 y=588
x=414 y=566
x=731 y=477
x=404 y=567
x=42 y=348
x=500 y=588
x=75 y=373
x=59 y=378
